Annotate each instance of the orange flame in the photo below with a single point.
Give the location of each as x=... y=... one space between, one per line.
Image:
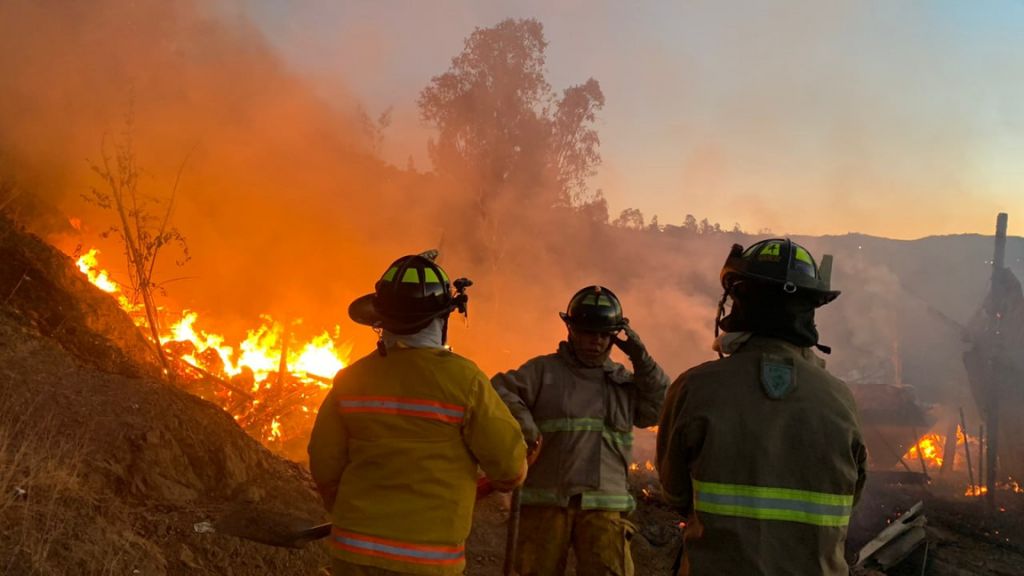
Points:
x=271 y=414
x=1010 y=485
x=88 y=264
x=931 y=449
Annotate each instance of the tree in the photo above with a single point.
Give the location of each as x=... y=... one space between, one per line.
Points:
x=576 y=142
x=704 y=227
x=596 y=210
x=631 y=219
x=144 y=223
x=502 y=130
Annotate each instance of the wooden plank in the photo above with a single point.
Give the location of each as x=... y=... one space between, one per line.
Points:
x=890 y=532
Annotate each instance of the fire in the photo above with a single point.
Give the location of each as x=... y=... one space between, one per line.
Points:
x=932 y=446
x=318 y=356
x=270 y=384
x=931 y=449
x=975 y=490
x=88 y=264
x=1010 y=485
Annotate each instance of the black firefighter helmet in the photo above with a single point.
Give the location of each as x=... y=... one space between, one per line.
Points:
x=596 y=309
x=783 y=263
x=409 y=295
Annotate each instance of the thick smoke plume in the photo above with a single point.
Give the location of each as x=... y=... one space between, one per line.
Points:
x=288 y=210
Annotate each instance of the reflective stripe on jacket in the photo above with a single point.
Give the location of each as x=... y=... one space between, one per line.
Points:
x=763 y=452
x=586 y=417
x=401 y=437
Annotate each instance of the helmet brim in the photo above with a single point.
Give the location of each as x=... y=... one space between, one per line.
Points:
x=824 y=296
x=583 y=325
x=363 y=310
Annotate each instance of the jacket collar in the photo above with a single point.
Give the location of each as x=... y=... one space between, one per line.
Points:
x=768 y=345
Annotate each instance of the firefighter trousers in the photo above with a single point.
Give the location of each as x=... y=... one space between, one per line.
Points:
x=599 y=539
x=342 y=568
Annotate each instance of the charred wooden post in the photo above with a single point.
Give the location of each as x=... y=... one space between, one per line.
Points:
x=282 y=366
x=949 y=449
x=967 y=449
x=992 y=404
x=981 y=454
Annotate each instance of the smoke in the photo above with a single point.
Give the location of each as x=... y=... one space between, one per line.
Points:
x=288 y=210
x=277 y=186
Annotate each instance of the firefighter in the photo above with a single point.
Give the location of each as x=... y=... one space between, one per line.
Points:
x=397 y=442
x=585 y=406
x=761 y=449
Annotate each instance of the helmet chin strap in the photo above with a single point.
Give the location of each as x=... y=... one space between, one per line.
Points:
x=719 y=316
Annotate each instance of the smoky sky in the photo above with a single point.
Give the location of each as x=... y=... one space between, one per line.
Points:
x=291 y=208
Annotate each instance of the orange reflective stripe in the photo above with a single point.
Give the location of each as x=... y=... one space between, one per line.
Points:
x=396 y=549
x=402 y=406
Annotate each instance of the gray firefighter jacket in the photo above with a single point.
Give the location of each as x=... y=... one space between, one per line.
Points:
x=586 y=417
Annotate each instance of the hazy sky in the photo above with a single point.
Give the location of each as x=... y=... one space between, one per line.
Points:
x=900 y=119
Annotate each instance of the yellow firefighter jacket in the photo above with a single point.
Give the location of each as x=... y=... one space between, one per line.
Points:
x=763 y=452
x=400 y=437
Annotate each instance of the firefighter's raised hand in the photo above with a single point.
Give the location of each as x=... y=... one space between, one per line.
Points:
x=631 y=344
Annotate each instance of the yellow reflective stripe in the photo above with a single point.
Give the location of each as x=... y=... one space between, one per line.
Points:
x=774 y=514
x=778 y=493
x=411 y=275
x=767 y=503
x=616 y=437
x=771 y=249
x=586 y=425
x=803 y=256
x=597 y=500
x=588 y=500
x=603 y=301
x=390 y=274
x=429 y=276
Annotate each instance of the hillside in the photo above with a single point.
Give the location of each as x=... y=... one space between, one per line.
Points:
x=104 y=468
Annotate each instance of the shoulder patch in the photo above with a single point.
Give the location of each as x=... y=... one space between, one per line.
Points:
x=778 y=377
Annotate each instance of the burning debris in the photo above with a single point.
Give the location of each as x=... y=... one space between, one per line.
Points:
x=270 y=385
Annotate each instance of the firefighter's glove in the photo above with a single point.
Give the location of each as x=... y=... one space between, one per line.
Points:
x=632 y=345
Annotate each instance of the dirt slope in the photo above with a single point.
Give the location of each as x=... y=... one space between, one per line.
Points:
x=105 y=468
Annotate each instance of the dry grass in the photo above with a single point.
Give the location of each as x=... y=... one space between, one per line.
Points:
x=51 y=519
